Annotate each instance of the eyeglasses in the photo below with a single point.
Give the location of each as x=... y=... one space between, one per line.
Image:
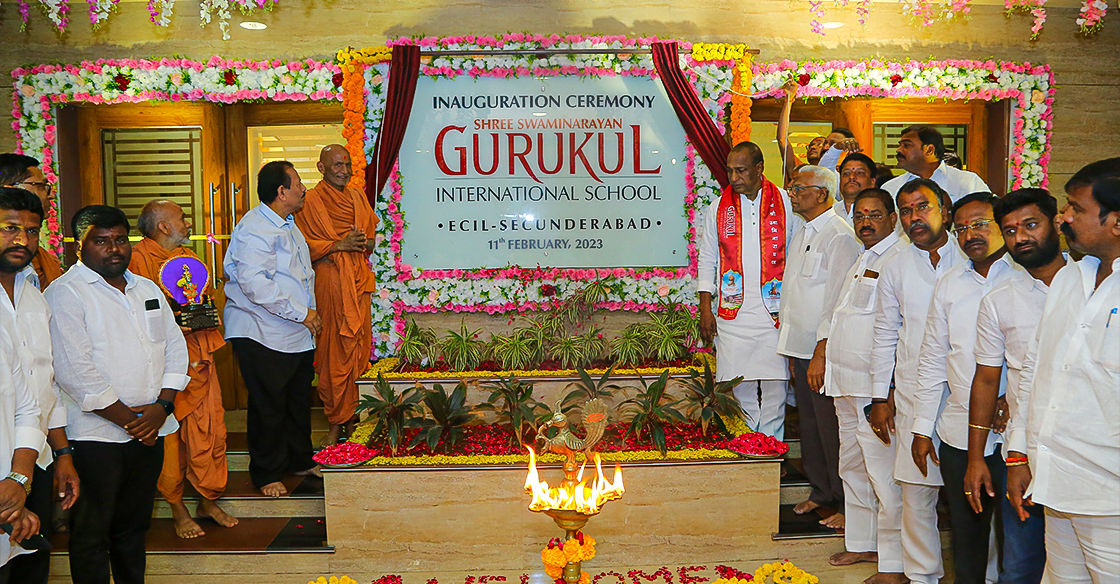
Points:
x=978 y=225
x=42 y=185
x=874 y=217
x=797 y=190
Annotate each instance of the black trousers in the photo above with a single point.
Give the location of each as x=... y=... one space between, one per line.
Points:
x=278 y=423
x=35 y=568
x=110 y=520
x=970 y=531
x=820 y=440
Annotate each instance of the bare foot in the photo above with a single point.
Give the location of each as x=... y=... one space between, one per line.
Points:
x=276 y=489
x=887 y=578
x=185 y=526
x=805 y=507
x=311 y=472
x=835 y=522
x=332 y=436
x=208 y=508
x=849 y=558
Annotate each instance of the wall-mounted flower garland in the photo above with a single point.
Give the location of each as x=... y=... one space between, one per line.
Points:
x=159 y=11
x=39 y=89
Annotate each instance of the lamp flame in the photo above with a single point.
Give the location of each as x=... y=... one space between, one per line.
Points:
x=582 y=498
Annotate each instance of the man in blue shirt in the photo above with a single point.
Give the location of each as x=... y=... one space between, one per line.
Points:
x=271 y=323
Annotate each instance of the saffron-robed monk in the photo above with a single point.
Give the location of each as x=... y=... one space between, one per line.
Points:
x=338 y=224
x=197 y=452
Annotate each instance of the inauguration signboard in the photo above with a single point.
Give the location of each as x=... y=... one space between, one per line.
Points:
x=559 y=172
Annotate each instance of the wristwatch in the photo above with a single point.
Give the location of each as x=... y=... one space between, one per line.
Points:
x=62 y=451
x=22 y=480
x=168 y=406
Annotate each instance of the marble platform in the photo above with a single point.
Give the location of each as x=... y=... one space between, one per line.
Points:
x=398 y=520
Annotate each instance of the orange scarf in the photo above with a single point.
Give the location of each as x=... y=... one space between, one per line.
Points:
x=772 y=240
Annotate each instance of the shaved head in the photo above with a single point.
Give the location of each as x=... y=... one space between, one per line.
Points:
x=165 y=222
x=334 y=165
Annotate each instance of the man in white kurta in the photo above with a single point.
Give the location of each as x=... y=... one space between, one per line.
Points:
x=747 y=345
x=947 y=356
x=826 y=244
x=1072 y=425
x=905 y=287
x=919 y=153
x=872 y=498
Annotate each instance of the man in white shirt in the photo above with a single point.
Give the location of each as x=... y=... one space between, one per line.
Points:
x=905 y=287
x=872 y=498
x=25 y=315
x=20 y=441
x=857 y=173
x=271 y=323
x=1005 y=325
x=824 y=245
x=120 y=359
x=1072 y=371
x=746 y=339
x=920 y=149
x=947 y=359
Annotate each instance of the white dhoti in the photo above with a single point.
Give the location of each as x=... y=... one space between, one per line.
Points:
x=921 y=540
x=872 y=498
x=1081 y=548
x=747 y=347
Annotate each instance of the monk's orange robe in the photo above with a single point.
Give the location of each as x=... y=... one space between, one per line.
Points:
x=197 y=452
x=47 y=267
x=343 y=285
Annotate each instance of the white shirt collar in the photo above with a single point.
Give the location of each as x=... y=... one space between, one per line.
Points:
x=817 y=224
x=884 y=244
x=93 y=277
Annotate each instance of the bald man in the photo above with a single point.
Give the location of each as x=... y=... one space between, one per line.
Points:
x=22 y=171
x=339 y=225
x=197 y=452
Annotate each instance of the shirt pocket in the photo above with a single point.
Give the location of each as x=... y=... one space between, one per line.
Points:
x=157 y=330
x=1107 y=351
x=863 y=297
x=811 y=266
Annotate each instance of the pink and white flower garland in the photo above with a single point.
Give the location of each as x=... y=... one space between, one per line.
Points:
x=1031 y=86
x=38 y=90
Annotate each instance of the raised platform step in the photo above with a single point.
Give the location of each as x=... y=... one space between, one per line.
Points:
x=242 y=499
x=794 y=526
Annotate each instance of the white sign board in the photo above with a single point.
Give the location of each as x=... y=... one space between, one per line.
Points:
x=559 y=172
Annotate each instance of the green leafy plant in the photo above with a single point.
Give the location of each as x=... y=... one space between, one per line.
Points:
x=394 y=412
x=665 y=336
x=580 y=305
x=462 y=350
x=591 y=343
x=515 y=351
x=628 y=349
x=569 y=351
x=417 y=344
x=541 y=331
x=589 y=389
x=446 y=416
x=512 y=399
x=649 y=414
x=709 y=400
x=686 y=323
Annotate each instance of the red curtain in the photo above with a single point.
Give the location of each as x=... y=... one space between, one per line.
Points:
x=698 y=125
x=404 y=70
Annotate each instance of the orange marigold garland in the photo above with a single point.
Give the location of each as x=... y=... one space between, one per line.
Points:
x=741 y=101
x=561 y=553
x=354 y=63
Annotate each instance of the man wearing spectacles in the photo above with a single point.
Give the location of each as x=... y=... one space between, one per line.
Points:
x=905 y=286
x=948 y=359
x=872 y=498
x=824 y=245
x=19 y=170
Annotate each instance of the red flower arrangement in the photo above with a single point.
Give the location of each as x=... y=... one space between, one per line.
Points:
x=803 y=79
x=758 y=444
x=548 y=290
x=122 y=81
x=896 y=79
x=229 y=77
x=337 y=79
